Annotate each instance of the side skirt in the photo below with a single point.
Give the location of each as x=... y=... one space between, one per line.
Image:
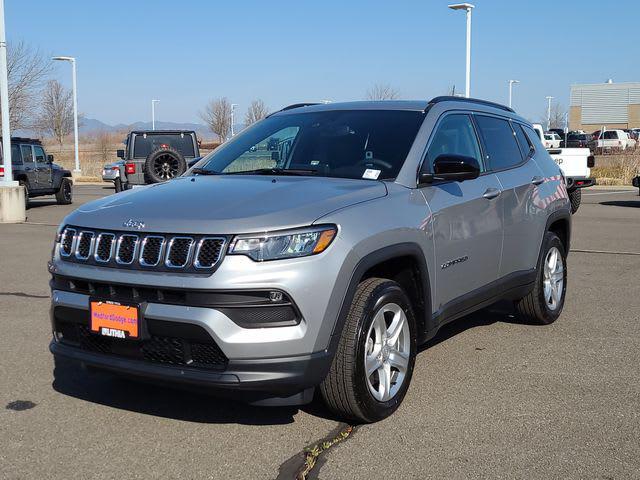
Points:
x=511 y=287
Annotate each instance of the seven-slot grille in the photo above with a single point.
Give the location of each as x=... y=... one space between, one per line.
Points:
x=152 y=251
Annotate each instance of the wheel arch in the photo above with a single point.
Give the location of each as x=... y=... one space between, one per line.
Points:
x=403 y=263
x=559 y=222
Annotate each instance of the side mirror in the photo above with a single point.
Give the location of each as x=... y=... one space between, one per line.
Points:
x=452 y=167
x=120 y=154
x=49 y=158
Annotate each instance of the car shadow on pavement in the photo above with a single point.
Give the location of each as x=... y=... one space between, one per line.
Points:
x=622 y=203
x=162 y=401
x=503 y=311
x=41 y=203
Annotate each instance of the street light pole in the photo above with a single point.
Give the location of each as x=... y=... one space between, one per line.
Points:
x=4 y=103
x=233 y=109
x=511 y=82
x=75 y=108
x=153 y=113
x=549 y=112
x=467 y=7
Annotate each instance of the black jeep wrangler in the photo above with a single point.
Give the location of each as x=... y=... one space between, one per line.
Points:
x=153 y=156
x=37 y=173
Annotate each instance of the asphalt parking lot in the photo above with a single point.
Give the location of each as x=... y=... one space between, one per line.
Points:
x=490 y=397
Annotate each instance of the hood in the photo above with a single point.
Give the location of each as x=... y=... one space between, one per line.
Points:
x=226 y=204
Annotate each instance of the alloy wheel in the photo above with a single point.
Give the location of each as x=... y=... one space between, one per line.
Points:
x=553 y=278
x=387 y=351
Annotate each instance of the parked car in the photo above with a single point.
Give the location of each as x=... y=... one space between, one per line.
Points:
x=322 y=266
x=609 y=140
x=576 y=165
x=111 y=173
x=153 y=156
x=552 y=140
x=578 y=140
x=36 y=172
x=558 y=131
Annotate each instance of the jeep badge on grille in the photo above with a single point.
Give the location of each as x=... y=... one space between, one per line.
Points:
x=131 y=223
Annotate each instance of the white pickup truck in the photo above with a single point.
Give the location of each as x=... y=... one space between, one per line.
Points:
x=576 y=164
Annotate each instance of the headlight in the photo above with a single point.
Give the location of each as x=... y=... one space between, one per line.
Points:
x=288 y=244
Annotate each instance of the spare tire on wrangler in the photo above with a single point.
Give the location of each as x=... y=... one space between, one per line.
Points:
x=164 y=164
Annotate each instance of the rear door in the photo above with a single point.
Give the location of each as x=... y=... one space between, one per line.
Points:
x=43 y=167
x=30 y=169
x=466 y=217
x=510 y=157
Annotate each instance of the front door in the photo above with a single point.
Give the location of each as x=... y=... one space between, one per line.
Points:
x=43 y=167
x=29 y=167
x=467 y=218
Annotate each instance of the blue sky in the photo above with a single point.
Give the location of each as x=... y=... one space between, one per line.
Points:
x=185 y=53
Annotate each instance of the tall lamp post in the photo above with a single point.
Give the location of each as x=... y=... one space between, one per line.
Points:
x=75 y=107
x=153 y=113
x=511 y=82
x=4 y=103
x=467 y=7
x=549 y=98
x=233 y=109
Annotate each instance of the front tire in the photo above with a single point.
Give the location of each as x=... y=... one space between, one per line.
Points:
x=64 y=195
x=544 y=303
x=373 y=365
x=26 y=193
x=575 y=198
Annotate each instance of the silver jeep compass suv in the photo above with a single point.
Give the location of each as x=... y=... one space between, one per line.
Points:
x=318 y=248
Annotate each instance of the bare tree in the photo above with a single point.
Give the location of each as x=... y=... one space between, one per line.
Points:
x=256 y=111
x=56 y=114
x=27 y=71
x=217 y=115
x=382 y=92
x=558 y=115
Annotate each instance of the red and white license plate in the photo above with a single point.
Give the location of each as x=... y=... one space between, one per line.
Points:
x=113 y=319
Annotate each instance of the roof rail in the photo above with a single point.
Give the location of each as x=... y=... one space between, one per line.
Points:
x=25 y=140
x=450 y=98
x=294 y=105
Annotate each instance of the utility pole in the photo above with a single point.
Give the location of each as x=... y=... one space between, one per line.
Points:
x=549 y=112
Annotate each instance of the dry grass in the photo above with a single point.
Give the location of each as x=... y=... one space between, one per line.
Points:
x=616 y=169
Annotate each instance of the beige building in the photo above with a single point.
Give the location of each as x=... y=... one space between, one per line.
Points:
x=613 y=105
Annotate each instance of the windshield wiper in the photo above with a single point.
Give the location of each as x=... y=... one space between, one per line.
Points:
x=203 y=171
x=277 y=171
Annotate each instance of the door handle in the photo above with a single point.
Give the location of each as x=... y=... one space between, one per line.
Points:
x=537 y=180
x=491 y=193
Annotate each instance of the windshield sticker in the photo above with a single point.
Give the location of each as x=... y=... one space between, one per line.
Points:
x=371 y=174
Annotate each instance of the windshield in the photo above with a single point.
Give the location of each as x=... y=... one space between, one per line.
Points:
x=146 y=143
x=370 y=144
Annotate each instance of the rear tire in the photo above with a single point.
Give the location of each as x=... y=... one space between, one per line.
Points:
x=379 y=336
x=544 y=303
x=117 y=183
x=64 y=195
x=575 y=198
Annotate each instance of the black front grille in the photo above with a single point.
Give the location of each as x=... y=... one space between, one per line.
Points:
x=191 y=254
x=126 y=248
x=151 y=251
x=209 y=252
x=179 y=251
x=83 y=248
x=104 y=246
x=197 y=350
x=66 y=242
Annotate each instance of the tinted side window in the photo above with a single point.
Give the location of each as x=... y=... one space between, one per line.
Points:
x=27 y=154
x=609 y=134
x=500 y=141
x=454 y=135
x=16 y=159
x=533 y=137
x=40 y=158
x=526 y=147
